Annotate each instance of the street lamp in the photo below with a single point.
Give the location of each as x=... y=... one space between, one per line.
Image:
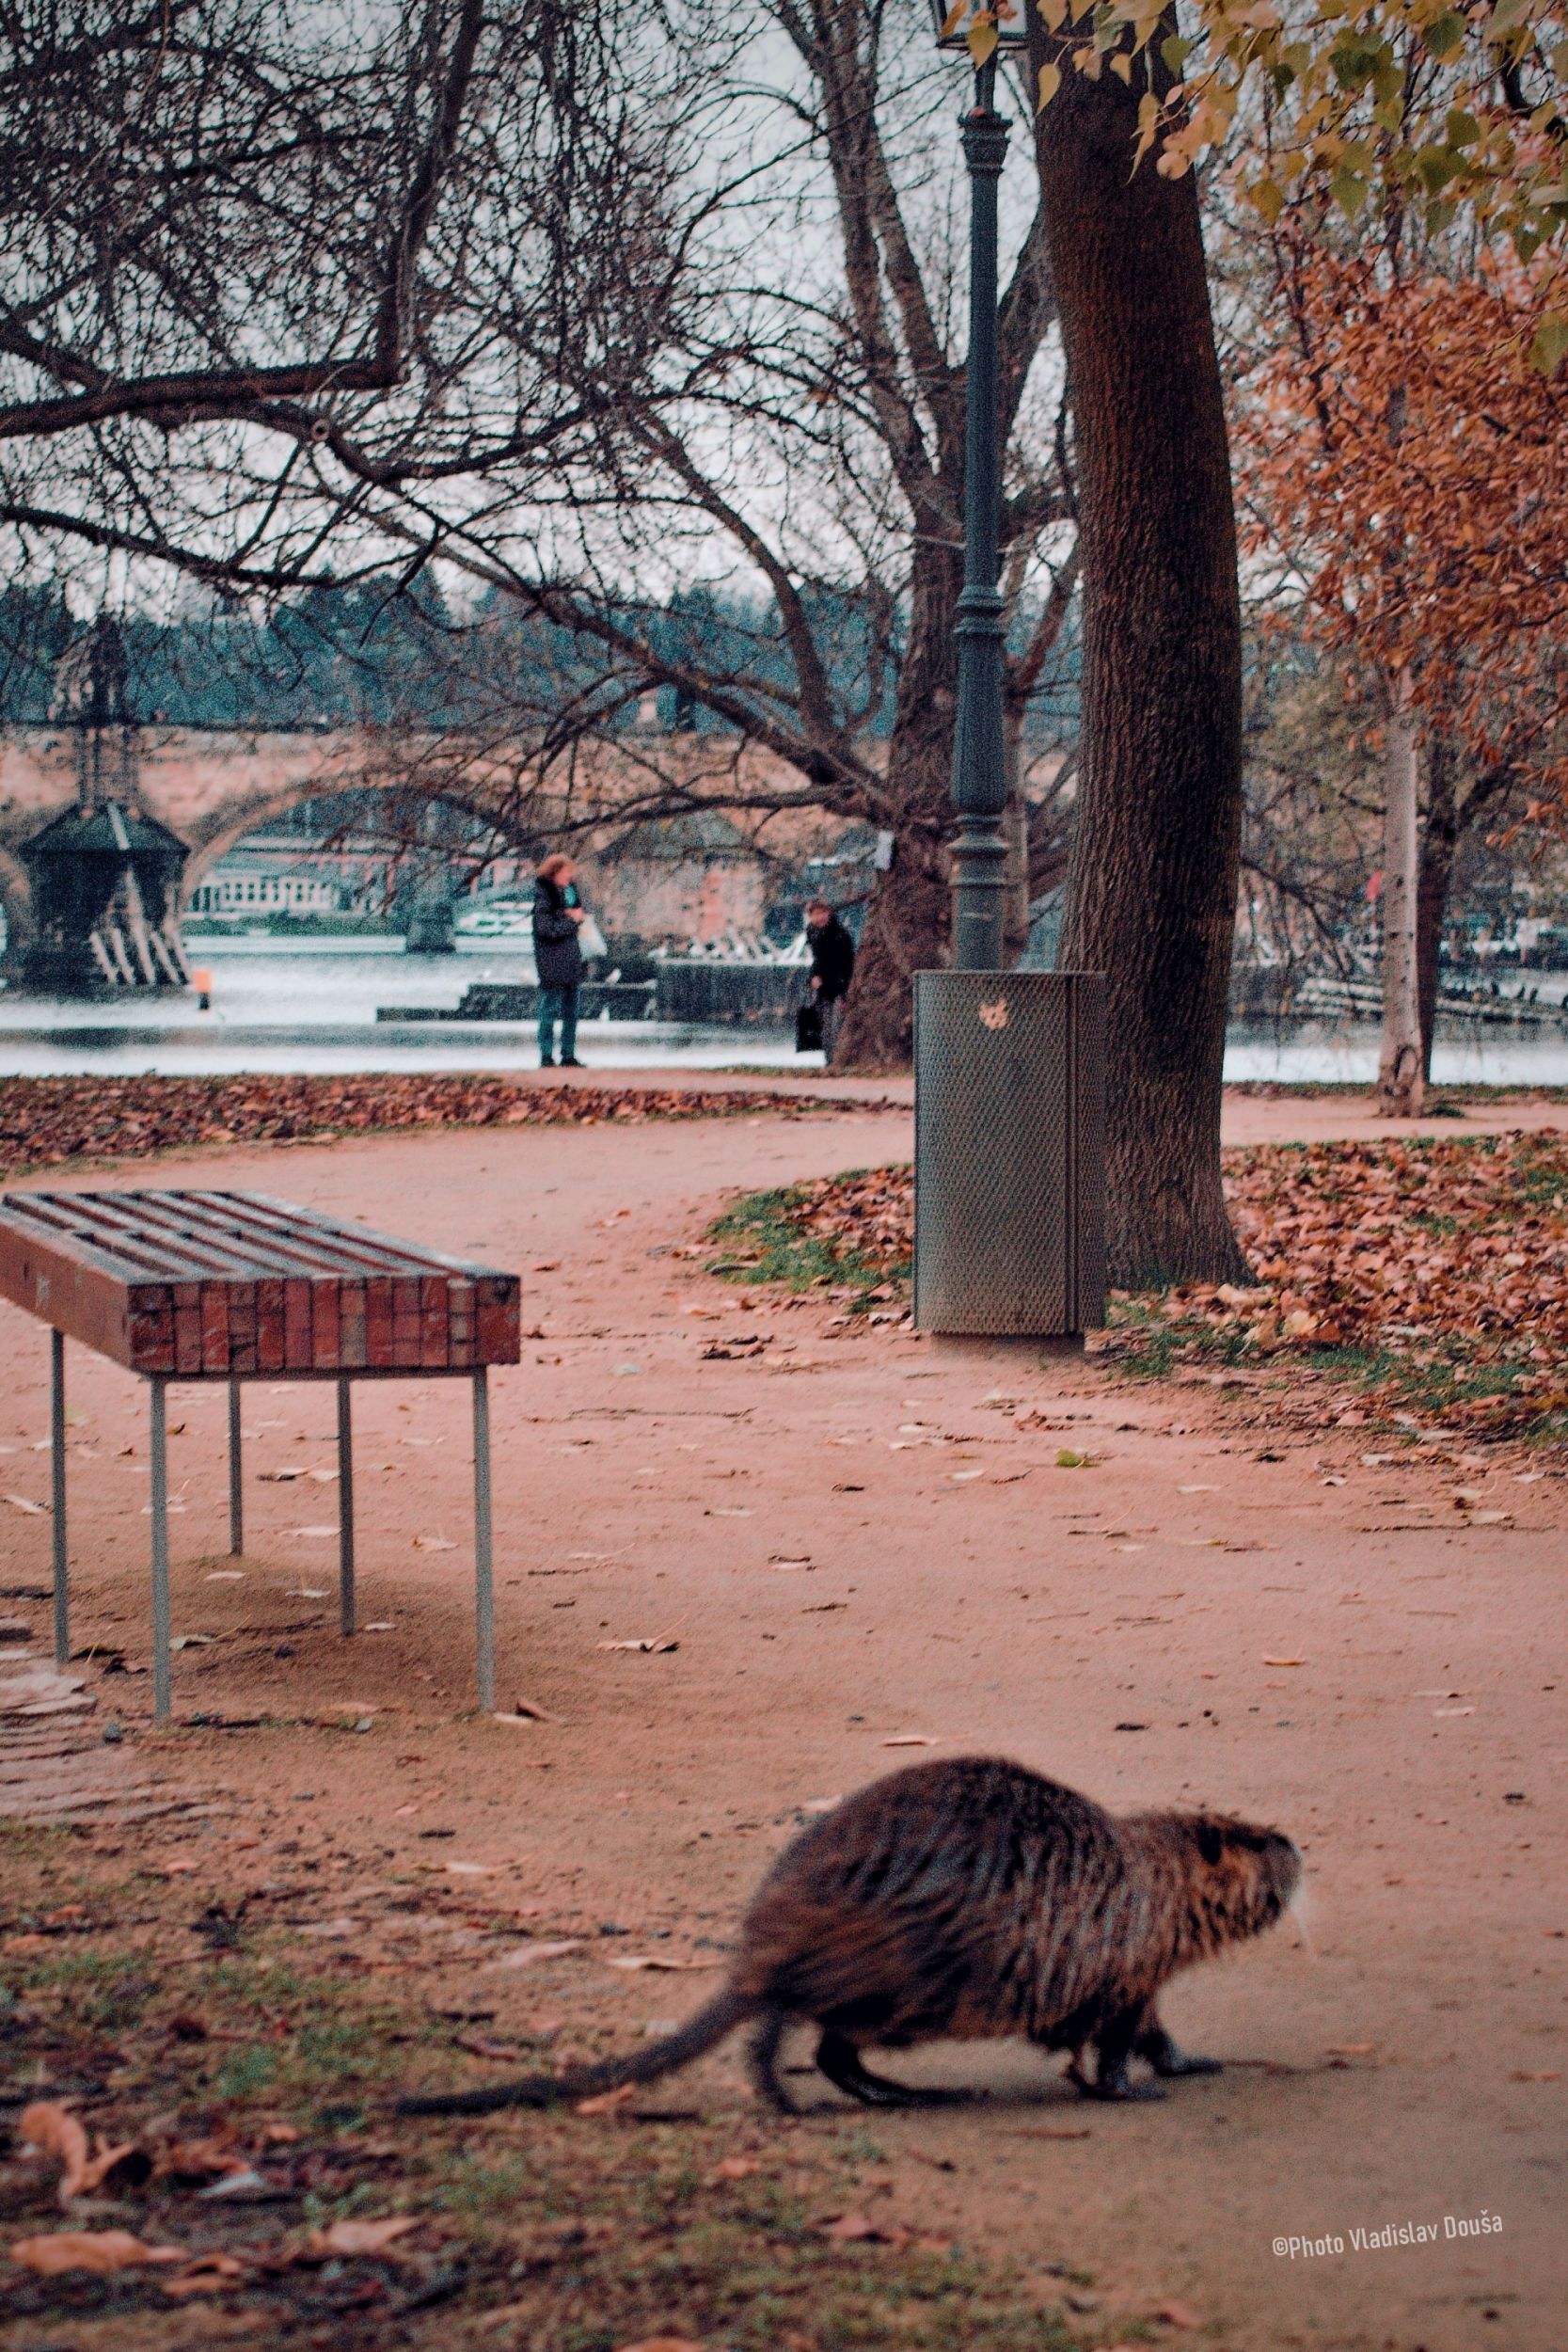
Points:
x=986 y=32
x=1008 y=1065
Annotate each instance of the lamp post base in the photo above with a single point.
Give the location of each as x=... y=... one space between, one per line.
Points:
x=1009 y=1184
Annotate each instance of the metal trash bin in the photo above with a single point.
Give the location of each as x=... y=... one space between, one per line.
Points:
x=1009 y=1196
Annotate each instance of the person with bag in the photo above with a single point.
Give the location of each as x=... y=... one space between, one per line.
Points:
x=832 y=969
x=559 y=922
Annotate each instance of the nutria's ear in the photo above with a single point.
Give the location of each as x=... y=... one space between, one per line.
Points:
x=1211 y=1843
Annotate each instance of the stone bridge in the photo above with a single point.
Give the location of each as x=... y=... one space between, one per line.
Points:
x=204 y=790
x=107 y=830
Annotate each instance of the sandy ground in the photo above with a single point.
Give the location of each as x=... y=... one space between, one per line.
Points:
x=853 y=1543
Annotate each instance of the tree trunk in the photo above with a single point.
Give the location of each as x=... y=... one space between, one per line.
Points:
x=1152 y=882
x=1439 y=841
x=909 y=924
x=1398 y=1077
x=1015 y=832
x=908 y=928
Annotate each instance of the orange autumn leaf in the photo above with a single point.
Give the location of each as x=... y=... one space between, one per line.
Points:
x=54 y=2131
x=98 y=2250
x=360 y=2238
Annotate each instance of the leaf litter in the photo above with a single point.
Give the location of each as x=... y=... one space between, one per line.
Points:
x=1434 y=1271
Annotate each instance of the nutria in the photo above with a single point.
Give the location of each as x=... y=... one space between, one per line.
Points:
x=971 y=1899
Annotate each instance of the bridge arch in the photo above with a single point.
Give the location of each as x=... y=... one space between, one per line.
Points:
x=212 y=838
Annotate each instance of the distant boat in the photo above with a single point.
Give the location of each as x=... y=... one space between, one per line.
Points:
x=503 y=922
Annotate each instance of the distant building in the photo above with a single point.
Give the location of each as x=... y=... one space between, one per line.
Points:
x=266 y=878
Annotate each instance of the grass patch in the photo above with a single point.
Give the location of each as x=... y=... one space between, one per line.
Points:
x=771 y=1238
x=549 y=2231
x=1428 y=1275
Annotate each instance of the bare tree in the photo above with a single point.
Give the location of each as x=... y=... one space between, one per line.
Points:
x=589 y=307
x=802 y=448
x=270 y=260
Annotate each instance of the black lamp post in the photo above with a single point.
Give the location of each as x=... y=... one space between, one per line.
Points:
x=1008 y=1153
x=979 y=759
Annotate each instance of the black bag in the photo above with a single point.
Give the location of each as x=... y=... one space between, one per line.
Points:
x=808 y=1029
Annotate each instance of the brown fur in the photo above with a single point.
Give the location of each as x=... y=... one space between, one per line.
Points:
x=970 y=1900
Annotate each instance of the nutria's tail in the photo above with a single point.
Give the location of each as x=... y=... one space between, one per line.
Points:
x=710 y=2024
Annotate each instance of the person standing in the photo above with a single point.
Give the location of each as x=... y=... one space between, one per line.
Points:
x=558 y=959
x=832 y=968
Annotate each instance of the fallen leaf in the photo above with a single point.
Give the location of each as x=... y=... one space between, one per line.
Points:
x=658 y=1960
x=856 y=2228
x=1521 y=2076
x=1177 y=2315
x=1067 y=1459
x=524 y=1955
x=1283 y=1662
x=98 y=2250
x=653 y=1646
x=360 y=2238
x=909 y=1739
x=34 y=1510
x=433 y=1543
x=54 y=2131
x=191 y=2160
x=209 y=2274
x=607 y=2102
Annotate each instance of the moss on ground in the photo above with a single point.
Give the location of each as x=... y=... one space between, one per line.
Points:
x=556 y=2231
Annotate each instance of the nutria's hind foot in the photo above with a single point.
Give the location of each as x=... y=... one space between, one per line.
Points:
x=762 y=2054
x=1169 y=2061
x=841 y=2062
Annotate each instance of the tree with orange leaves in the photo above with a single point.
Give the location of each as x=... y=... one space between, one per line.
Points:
x=1403 y=468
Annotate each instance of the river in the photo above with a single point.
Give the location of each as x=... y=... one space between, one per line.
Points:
x=277 y=1006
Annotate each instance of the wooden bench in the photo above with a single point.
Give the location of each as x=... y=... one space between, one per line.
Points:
x=236 y=1286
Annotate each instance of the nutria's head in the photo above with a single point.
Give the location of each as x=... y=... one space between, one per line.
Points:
x=1233 y=1879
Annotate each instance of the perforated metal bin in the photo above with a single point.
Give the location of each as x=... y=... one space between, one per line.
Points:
x=1010 y=1154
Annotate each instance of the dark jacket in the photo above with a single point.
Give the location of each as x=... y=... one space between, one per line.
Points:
x=832 y=959
x=556 y=951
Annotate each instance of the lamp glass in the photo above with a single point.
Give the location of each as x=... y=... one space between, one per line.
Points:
x=1011 y=30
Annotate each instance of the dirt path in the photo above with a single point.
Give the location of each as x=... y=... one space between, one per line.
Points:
x=853 y=1542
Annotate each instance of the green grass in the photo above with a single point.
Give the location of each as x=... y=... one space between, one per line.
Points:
x=761 y=1241
x=1428 y=1384
x=589 y=2232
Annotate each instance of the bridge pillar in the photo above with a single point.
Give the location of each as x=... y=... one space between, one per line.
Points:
x=105 y=886
x=429 y=910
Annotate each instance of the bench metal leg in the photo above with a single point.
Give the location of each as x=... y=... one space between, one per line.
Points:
x=345 y=1509
x=57 y=1464
x=484 y=1588
x=162 y=1689
x=236 y=1485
